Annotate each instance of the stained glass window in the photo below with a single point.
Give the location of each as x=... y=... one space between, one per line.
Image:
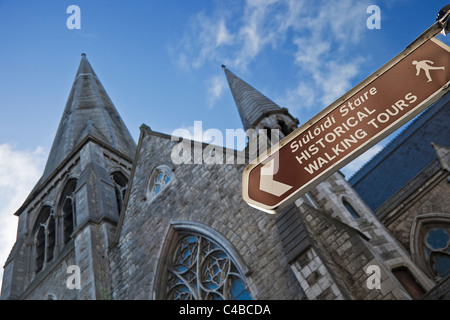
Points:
x=200 y=269
x=437 y=250
x=160 y=178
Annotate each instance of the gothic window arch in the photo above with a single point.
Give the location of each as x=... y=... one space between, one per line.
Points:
x=160 y=178
x=197 y=267
x=408 y=281
x=284 y=128
x=44 y=237
x=268 y=133
x=430 y=244
x=120 y=185
x=51 y=296
x=436 y=246
x=40 y=248
x=51 y=239
x=350 y=208
x=68 y=210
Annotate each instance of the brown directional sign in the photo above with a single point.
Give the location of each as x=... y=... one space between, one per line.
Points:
x=389 y=98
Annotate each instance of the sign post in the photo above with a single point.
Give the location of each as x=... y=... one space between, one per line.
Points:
x=379 y=105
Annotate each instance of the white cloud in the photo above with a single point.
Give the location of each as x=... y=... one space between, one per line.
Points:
x=335 y=80
x=324 y=34
x=19 y=172
x=234 y=37
x=216 y=88
x=325 y=52
x=303 y=96
x=256 y=31
x=204 y=37
x=310 y=52
x=223 y=37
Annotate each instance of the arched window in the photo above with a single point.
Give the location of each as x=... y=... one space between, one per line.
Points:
x=44 y=230
x=120 y=186
x=268 y=133
x=408 y=281
x=436 y=245
x=160 y=178
x=50 y=242
x=198 y=268
x=430 y=244
x=67 y=203
x=40 y=248
x=284 y=128
x=51 y=296
x=350 y=209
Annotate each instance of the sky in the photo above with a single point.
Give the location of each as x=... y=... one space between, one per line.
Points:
x=160 y=62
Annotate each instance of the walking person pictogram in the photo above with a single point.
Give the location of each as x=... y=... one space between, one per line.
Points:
x=426 y=66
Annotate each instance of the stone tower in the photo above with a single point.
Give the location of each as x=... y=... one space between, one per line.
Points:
x=258 y=112
x=329 y=235
x=70 y=216
x=130 y=221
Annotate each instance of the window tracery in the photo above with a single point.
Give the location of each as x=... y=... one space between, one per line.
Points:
x=200 y=269
x=430 y=244
x=67 y=201
x=160 y=179
x=44 y=231
x=436 y=246
x=120 y=186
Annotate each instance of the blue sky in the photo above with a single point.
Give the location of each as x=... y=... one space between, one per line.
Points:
x=160 y=62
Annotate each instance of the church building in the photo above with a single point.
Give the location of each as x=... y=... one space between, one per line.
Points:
x=134 y=224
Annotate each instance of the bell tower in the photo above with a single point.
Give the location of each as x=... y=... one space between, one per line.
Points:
x=258 y=112
x=70 y=216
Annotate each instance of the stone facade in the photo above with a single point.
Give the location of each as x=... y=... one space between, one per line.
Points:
x=218 y=210
x=166 y=219
x=427 y=200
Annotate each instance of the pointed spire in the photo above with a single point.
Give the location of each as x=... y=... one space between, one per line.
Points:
x=84 y=67
x=252 y=105
x=88 y=111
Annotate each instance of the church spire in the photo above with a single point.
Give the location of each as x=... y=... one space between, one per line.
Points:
x=85 y=67
x=256 y=110
x=89 y=112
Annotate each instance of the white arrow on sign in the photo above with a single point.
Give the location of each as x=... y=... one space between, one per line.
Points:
x=267 y=184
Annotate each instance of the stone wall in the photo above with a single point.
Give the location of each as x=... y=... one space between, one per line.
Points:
x=329 y=196
x=96 y=219
x=314 y=277
x=208 y=196
x=431 y=197
x=337 y=266
x=51 y=283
